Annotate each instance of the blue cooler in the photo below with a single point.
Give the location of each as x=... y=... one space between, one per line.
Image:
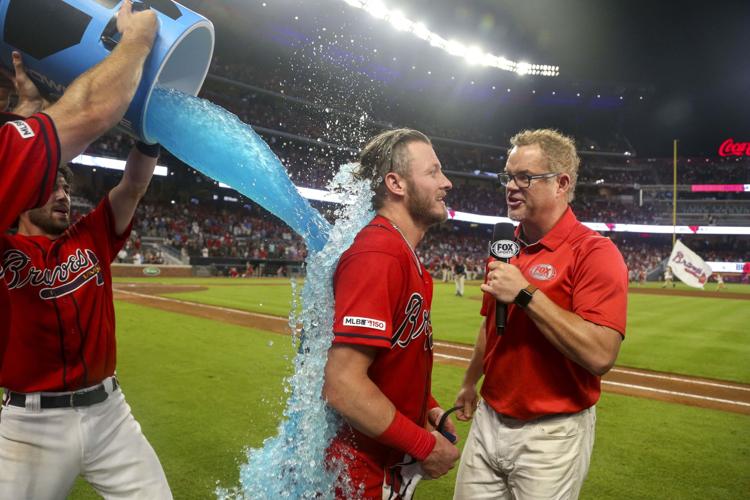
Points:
x=61 y=39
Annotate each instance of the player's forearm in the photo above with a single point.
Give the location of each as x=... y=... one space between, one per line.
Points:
x=108 y=88
x=139 y=169
x=360 y=402
x=593 y=347
x=124 y=197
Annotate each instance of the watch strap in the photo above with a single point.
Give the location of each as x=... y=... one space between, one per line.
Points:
x=524 y=296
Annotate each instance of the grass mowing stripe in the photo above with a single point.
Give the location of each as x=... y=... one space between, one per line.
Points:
x=274 y=300
x=704 y=337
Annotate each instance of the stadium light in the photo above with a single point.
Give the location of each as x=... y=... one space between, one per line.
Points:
x=111 y=164
x=376 y=9
x=399 y=21
x=421 y=31
x=473 y=55
x=455 y=48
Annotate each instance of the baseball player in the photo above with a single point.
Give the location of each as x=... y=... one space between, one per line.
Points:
x=379 y=367
x=33 y=144
x=446 y=270
x=459 y=276
x=720 y=282
x=63 y=413
x=668 y=278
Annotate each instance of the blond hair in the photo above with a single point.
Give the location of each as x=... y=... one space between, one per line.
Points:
x=559 y=150
x=385 y=153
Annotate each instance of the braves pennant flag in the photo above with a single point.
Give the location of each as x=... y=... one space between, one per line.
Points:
x=688 y=266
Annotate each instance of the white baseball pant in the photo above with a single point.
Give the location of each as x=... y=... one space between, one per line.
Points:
x=42 y=451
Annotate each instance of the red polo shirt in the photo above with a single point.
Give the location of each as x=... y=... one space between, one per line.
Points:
x=525 y=376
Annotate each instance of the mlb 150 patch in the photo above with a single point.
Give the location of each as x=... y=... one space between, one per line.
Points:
x=375 y=324
x=23 y=129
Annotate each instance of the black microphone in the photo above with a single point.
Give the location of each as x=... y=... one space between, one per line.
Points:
x=502 y=247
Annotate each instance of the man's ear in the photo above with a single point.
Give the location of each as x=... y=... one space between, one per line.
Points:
x=563 y=184
x=395 y=184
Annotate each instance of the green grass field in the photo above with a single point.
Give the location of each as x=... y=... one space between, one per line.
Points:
x=699 y=336
x=203 y=391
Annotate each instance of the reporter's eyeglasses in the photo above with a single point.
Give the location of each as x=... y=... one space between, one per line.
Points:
x=523 y=180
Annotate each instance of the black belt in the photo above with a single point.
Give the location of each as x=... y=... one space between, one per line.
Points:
x=75 y=399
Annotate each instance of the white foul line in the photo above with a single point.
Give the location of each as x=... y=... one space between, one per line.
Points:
x=676 y=393
x=454 y=346
x=680 y=379
x=633 y=386
x=448 y=356
x=630 y=372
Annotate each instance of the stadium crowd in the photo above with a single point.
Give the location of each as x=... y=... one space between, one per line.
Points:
x=200 y=231
x=307 y=135
x=242 y=233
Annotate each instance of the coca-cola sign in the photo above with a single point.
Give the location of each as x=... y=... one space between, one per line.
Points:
x=731 y=148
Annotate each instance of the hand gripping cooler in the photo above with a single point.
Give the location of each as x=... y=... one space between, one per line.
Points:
x=60 y=39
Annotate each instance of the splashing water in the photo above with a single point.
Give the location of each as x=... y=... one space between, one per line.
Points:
x=215 y=142
x=292 y=463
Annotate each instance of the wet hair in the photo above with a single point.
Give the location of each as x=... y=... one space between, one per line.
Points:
x=385 y=153
x=558 y=149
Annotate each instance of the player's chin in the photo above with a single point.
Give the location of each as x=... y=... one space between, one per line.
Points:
x=432 y=218
x=58 y=227
x=441 y=214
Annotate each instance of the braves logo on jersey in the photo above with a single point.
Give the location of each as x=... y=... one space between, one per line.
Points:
x=63 y=279
x=416 y=322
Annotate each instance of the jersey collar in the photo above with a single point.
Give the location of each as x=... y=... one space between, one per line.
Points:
x=391 y=227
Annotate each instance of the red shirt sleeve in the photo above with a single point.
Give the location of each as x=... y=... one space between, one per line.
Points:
x=600 y=286
x=29 y=157
x=367 y=287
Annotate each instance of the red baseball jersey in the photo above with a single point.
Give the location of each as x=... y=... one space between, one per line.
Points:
x=29 y=157
x=62 y=332
x=383 y=295
x=525 y=376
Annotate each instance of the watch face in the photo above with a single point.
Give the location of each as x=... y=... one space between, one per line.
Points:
x=524 y=297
